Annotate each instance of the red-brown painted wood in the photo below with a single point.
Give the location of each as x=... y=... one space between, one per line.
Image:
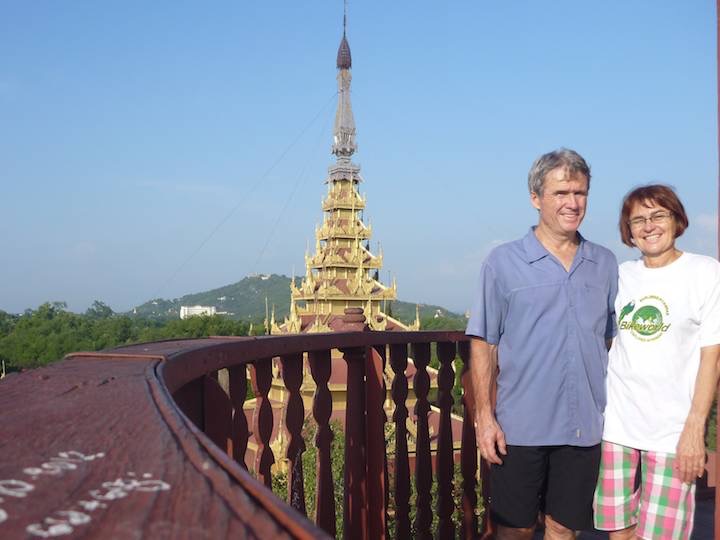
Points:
x=445 y=462
x=468 y=453
x=183 y=366
x=189 y=399
x=356 y=495
x=217 y=410
x=263 y=419
x=292 y=373
x=375 y=440
x=423 y=463
x=320 y=369
x=100 y=450
x=238 y=391
x=399 y=392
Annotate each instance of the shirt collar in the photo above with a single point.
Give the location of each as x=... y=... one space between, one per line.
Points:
x=534 y=250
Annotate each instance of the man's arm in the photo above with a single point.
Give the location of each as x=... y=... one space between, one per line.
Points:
x=483 y=370
x=690 y=458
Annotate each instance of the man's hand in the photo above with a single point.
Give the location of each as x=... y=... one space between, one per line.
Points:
x=690 y=454
x=490 y=439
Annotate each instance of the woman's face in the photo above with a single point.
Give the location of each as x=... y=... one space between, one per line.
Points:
x=652 y=228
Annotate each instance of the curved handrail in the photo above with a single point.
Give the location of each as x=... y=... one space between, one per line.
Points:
x=188 y=364
x=201 y=358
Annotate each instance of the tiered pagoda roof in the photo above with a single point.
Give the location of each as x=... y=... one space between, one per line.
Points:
x=342 y=272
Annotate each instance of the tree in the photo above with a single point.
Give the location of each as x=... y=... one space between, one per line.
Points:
x=99 y=310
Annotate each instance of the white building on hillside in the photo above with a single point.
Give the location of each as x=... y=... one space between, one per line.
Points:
x=189 y=311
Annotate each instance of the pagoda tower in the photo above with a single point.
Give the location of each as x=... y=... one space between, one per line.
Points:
x=342 y=272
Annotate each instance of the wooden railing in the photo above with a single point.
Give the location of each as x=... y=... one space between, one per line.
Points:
x=192 y=379
x=152 y=440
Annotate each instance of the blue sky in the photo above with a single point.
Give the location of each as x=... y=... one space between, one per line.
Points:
x=162 y=148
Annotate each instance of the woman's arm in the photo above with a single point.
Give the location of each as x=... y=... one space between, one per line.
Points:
x=690 y=459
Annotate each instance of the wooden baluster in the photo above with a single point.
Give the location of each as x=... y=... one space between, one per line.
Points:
x=189 y=399
x=292 y=373
x=355 y=496
x=217 y=413
x=423 y=462
x=399 y=392
x=375 y=440
x=355 y=523
x=238 y=391
x=445 y=462
x=468 y=453
x=320 y=368
x=261 y=372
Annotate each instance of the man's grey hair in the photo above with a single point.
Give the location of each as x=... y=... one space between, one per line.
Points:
x=562 y=157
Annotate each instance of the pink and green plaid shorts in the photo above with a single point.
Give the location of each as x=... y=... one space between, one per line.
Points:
x=663 y=505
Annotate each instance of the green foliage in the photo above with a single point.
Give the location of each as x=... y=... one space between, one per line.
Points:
x=448 y=321
x=279 y=485
x=38 y=337
x=7 y=323
x=99 y=310
x=309 y=463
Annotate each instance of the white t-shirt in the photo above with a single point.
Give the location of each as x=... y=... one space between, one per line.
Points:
x=665 y=315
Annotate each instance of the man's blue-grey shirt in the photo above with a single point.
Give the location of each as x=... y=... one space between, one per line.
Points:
x=550 y=326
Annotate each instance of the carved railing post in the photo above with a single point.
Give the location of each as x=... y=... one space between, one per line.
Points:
x=468 y=453
x=238 y=391
x=355 y=497
x=399 y=391
x=261 y=372
x=292 y=374
x=423 y=463
x=444 y=457
x=217 y=412
x=375 y=440
x=320 y=368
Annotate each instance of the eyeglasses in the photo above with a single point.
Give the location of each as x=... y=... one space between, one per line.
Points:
x=656 y=219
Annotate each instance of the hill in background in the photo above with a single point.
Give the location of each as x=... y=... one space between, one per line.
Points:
x=245 y=300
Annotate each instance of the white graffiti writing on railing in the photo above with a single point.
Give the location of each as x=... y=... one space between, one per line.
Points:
x=121 y=488
x=58 y=527
x=64 y=522
x=64 y=461
x=108 y=491
x=15 y=488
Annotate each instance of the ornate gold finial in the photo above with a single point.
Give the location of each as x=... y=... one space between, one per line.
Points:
x=267 y=318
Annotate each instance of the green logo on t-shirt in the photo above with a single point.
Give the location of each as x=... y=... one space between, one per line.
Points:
x=646 y=323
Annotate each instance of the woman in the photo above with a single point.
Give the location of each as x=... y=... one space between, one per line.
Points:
x=662 y=374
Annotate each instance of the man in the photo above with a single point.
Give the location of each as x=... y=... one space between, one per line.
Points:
x=540 y=325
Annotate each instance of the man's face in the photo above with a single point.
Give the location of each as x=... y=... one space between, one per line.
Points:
x=563 y=202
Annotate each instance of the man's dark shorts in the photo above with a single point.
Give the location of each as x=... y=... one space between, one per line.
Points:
x=559 y=480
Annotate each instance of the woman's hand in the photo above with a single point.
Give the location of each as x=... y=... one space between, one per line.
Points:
x=690 y=458
x=690 y=455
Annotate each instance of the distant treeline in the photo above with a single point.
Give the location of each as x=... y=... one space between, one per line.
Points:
x=46 y=334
